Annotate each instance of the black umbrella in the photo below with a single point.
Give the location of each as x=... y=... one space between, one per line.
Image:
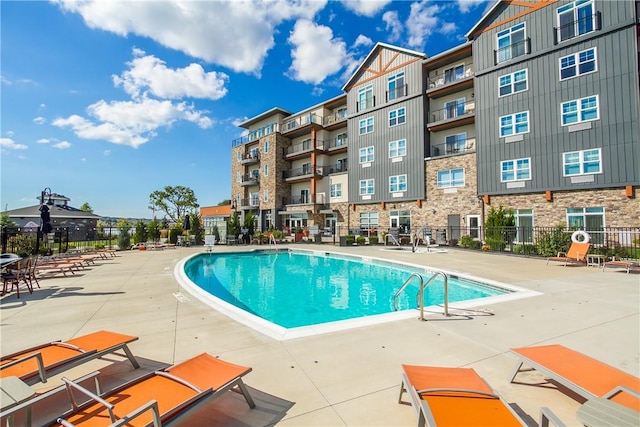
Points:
x=45 y=217
x=186 y=224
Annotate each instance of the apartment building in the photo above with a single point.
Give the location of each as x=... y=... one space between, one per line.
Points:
x=557 y=118
x=537 y=112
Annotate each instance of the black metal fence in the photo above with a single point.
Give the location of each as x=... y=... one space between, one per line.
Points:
x=30 y=241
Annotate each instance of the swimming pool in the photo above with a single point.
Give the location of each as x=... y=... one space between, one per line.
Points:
x=294 y=293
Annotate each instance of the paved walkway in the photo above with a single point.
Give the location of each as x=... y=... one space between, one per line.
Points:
x=346 y=378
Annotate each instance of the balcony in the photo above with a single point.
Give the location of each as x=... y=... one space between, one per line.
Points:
x=451 y=82
x=366 y=103
x=578 y=27
x=256 y=134
x=304 y=199
x=250 y=203
x=301 y=125
x=454 y=114
x=512 y=51
x=301 y=149
x=397 y=93
x=456 y=147
x=249 y=179
x=303 y=173
x=336 y=145
x=250 y=159
x=335 y=121
x=328 y=170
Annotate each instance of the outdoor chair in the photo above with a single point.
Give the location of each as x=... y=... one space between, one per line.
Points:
x=576 y=254
x=17 y=274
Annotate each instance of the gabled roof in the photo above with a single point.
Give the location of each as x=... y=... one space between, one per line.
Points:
x=54 y=211
x=482 y=20
x=529 y=6
x=275 y=110
x=373 y=52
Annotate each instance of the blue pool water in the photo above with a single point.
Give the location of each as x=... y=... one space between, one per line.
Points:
x=294 y=289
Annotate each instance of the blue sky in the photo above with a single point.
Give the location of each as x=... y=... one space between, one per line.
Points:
x=107 y=101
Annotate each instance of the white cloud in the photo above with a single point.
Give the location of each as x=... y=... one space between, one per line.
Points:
x=393 y=25
x=362 y=40
x=83 y=159
x=448 y=28
x=310 y=42
x=365 y=7
x=131 y=123
x=234 y=34
x=43 y=141
x=106 y=153
x=39 y=120
x=63 y=145
x=10 y=144
x=10 y=133
x=43 y=106
x=148 y=73
x=422 y=21
x=466 y=5
x=5 y=81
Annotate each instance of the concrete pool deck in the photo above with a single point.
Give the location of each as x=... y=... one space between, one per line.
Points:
x=343 y=378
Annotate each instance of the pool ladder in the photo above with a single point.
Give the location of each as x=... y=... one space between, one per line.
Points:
x=420 y=295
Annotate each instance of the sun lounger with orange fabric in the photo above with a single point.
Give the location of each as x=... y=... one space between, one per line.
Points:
x=576 y=254
x=624 y=264
x=583 y=375
x=38 y=363
x=158 y=396
x=454 y=397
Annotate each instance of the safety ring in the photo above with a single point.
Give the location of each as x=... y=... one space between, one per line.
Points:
x=580 y=236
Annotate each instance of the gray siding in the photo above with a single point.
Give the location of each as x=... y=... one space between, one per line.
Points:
x=617 y=131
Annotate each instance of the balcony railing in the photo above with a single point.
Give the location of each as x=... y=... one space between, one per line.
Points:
x=256 y=134
x=366 y=103
x=250 y=158
x=578 y=27
x=302 y=172
x=250 y=179
x=451 y=78
x=251 y=202
x=311 y=199
x=512 y=51
x=452 y=111
x=399 y=92
x=336 y=143
x=335 y=118
x=459 y=146
x=300 y=121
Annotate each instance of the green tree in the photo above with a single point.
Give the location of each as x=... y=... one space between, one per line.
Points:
x=233 y=226
x=225 y=202
x=6 y=221
x=141 y=232
x=499 y=227
x=86 y=207
x=197 y=230
x=175 y=202
x=154 y=229
x=249 y=221
x=124 y=239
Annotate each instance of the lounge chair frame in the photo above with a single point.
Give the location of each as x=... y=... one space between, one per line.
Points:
x=44 y=372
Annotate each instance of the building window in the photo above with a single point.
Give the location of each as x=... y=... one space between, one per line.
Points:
x=575 y=19
x=336 y=190
x=266 y=146
x=454 y=74
x=368 y=221
x=266 y=170
x=367 y=187
x=265 y=196
x=512 y=83
x=397 y=183
x=515 y=170
x=341 y=165
x=455 y=143
x=580 y=110
x=366 y=155
x=398 y=148
x=454 y=109
x=514 y=124
x=238 y=155
x=451 y=178
x=578 y=64
x=341 y=139
x=396 y=86
x=524 y=225
x=511 y=43
x=365 y=125
x=585 y=162
x=238 y=177
x=365 y=98
x=400 y=220
x=397 y=117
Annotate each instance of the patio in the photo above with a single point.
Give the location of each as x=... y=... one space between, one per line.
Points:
x=347 y=378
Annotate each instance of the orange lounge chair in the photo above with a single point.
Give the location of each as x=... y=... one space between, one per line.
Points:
x=38 y=363
x=454 y=397
x=575 y=255
x=585 y=376
x=158 y=396
x=624 y=264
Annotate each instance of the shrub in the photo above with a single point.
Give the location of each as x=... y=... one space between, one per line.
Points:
x=22 y=245
x=495 y=244
x=373 y=240
x=551 y=242
x=466 y=241
x=361 y=240
x=453 y=242
x=526 y=249
x=350 y=239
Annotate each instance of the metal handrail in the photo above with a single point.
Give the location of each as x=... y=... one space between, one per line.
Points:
x=420 y=295
x=403 y=287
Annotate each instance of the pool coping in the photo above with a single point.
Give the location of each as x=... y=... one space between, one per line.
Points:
x=281 y=333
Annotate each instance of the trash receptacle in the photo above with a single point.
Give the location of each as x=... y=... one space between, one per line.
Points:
x=441 y=236
x=343 y=240
x=317 y=238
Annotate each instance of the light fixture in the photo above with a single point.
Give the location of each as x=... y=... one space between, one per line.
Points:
x=46 y=192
